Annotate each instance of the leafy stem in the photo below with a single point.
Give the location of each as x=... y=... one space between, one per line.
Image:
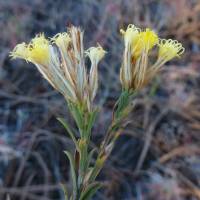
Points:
x=120 y=112
x=83 y=174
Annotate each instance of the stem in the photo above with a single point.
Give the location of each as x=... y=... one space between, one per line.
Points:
x=107 y=138
x=120 y=112
x=85 y=120
x=82 y=165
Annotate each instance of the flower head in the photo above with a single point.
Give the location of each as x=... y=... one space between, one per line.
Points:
x=135 y=72
x=169 y=49
x=20 y=51
x=145 y=41
x=130 y=35
x=62 y=40
x=138 y=40
x=95 y=54
x=64 y=66
x=37 y=51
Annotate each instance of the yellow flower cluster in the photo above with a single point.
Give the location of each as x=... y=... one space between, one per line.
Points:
x=64 y=66
x=135 y=72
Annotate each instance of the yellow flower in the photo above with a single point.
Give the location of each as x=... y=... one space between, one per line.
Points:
x=95 y=54
x=62 y=40
x=138 y=40
x=130 y=35
x=145 y=41
x=37 y=51
x=20 y=51
x=169 y=49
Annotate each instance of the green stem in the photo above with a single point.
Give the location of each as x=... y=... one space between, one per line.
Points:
x=85 y=126
x=85 y=120
x=120 y=112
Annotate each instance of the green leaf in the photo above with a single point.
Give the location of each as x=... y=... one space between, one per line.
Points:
x=67 y=127
x=97 y=167
x=89 y=162
x=90 y=191
x=122 y=104
x=73 y=173
x=83 y=155
x=77 y=114
x=91 y=121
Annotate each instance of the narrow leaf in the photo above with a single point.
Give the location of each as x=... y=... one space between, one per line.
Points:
x=83 y=154
x=76 y=112
x=73 y=173
x=97 y=167
x=66 y=126
x=90 y=191
x=91 y=121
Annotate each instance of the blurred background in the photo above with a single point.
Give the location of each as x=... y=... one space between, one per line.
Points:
x=158 y=155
